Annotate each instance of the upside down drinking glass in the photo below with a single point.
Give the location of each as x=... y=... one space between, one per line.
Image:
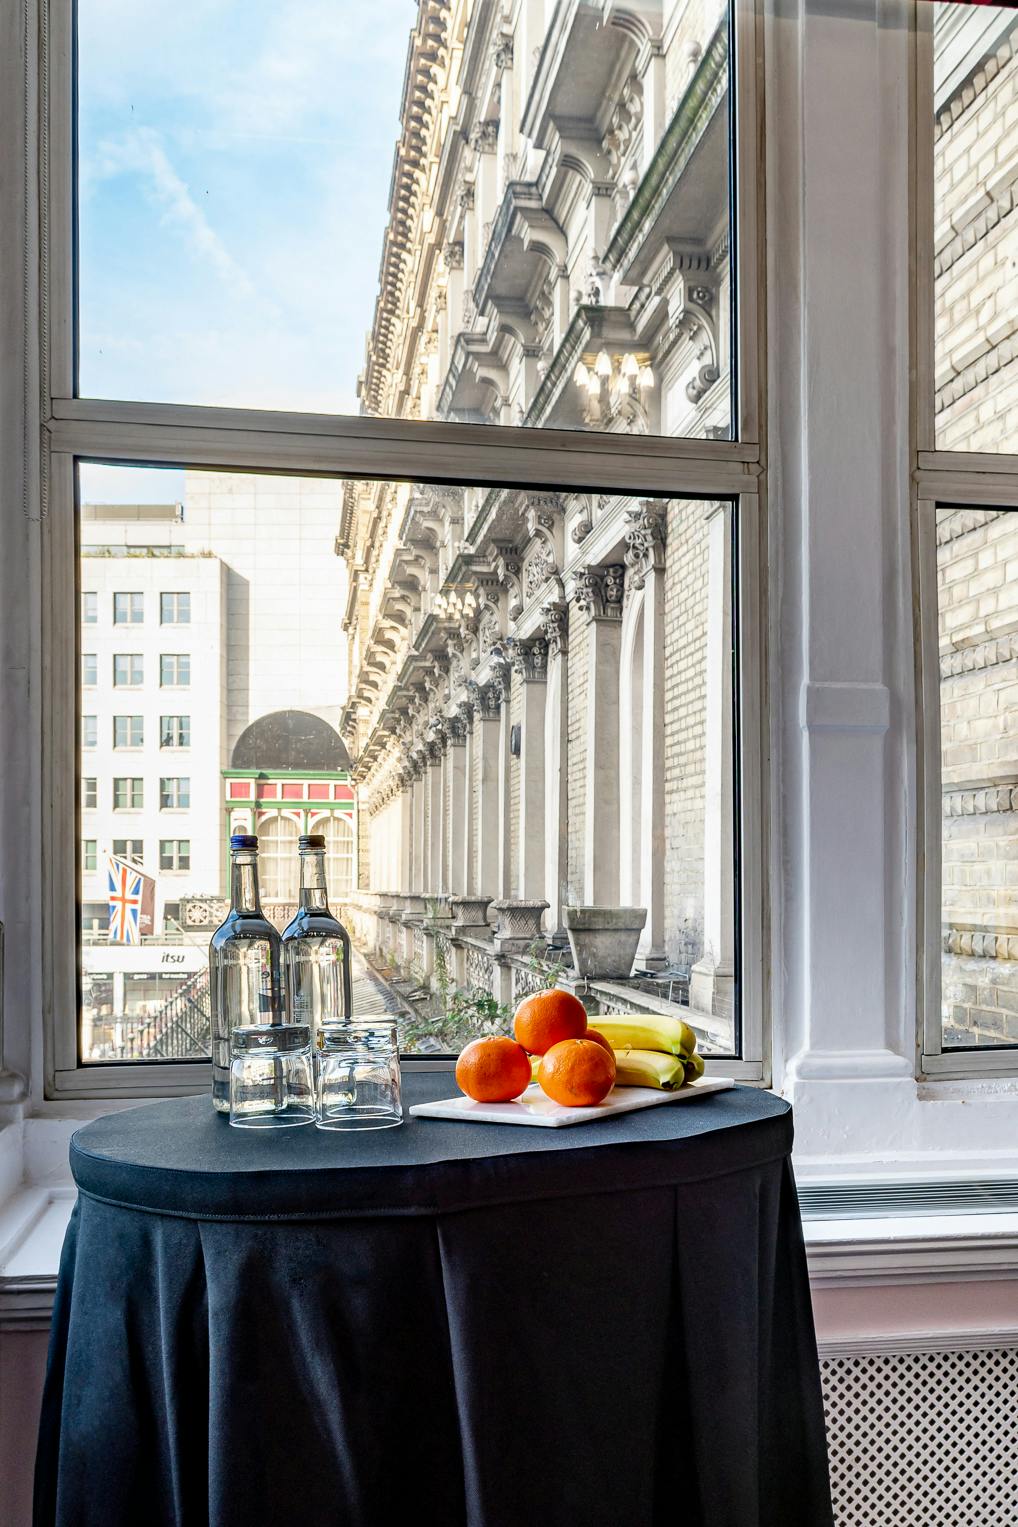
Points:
x=358 y=1075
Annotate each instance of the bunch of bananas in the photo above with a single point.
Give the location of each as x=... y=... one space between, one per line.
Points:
x=652 y=1051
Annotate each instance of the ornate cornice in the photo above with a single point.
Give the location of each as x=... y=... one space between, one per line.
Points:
x=983 y=801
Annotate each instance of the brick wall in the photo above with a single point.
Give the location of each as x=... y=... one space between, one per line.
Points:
x=976 y=258
x=685 y=693
x=976 y=294
x=978 y=599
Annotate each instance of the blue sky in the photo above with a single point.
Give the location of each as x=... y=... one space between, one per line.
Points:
x=235 y=158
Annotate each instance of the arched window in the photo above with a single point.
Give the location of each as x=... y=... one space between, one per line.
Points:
x=278 y=863
x=339 y=853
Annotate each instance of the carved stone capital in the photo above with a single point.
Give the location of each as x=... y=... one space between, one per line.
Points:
x=484 y=136
x=486 y=699
x=646 y=531
x=529 y=658
x=555 y=623
x=502 y=52
x=456 y=729
x=598 y=591
x=452 y=254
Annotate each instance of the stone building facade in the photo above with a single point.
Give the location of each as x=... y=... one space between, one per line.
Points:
x=976 y=291
x=540 y=710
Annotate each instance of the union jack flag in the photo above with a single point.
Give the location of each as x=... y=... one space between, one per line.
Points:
x=125 y=885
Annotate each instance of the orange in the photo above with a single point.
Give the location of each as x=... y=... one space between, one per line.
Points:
x=596 y=1037
x=548 y=1017
x=493 y=1070
x=577 y=1073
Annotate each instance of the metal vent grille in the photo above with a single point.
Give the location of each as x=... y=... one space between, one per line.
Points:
x=926 y=1439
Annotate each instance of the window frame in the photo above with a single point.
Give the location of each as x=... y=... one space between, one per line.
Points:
x=941 y=479
x=244 y=440
x=131 y=595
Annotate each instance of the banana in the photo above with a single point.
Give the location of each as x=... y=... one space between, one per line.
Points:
x=648 y=1031
x=648 y=1068
x=694 y=1066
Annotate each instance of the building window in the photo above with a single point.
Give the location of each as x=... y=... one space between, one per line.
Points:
x=89 y=792
x=88 y=855
x=278 y=861
x=128 y=794
x=130 y=849
x=174 y=853
x=89 y=607
x=128 y=670
x=175 y=670
x=174 y=794
x=339 y=853
x=174 y=609
x=89 y=670
x=128 y=609
x=89 y=731
x=174 y=731
x=128 y=731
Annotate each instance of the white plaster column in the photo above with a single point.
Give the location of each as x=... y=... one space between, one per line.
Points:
x=556 y=822
x=713 y=975
x=598 y=592
x=530 y=662
x=456 y=771
x=840 y=464
x=488 y=766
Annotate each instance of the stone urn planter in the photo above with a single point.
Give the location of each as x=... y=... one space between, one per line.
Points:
x=604 y=940
x=437 y=909
x=470 y=914
x=413 y=907
x=519 y=924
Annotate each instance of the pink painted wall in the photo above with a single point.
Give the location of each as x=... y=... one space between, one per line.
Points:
x=22 y=1367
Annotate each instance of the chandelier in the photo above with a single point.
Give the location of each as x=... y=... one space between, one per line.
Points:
x=610 y=383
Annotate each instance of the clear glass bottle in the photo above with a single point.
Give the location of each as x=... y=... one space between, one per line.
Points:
x=316 y=949
x=244 y=965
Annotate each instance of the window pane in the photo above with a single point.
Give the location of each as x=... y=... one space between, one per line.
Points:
x=89 y=731
x=128 y=669
x=975 y=229
x=88 y=856
x=128 y=731
x=89 y=671
x=128 y=609
x=548 y=245
x=459 y=684
x=174 y=609
x=89 y=793
x=977 y=582
x=131 y=849
x=89 y=609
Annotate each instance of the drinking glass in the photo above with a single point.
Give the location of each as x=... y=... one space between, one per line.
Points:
x=271 y=1080
x=358 y=1075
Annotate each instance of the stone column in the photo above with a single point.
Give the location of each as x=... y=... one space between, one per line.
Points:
x=487 y=742
x=419 y=839
x=433 y=846
x=598 y=592
x=530 y=661
x=502 y=682
x=556 y=835
x=456 y=771
x=712 y=976
x=645 y=562
x=465 y=869
x=404 y=846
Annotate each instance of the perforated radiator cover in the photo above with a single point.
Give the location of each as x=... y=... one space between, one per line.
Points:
x=927 y=1439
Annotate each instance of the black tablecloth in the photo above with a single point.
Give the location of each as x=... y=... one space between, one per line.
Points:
x=450 y=1324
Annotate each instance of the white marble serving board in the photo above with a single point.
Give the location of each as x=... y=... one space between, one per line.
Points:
x=535 y=1107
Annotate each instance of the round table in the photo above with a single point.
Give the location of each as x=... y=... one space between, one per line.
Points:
x=446 y=1323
